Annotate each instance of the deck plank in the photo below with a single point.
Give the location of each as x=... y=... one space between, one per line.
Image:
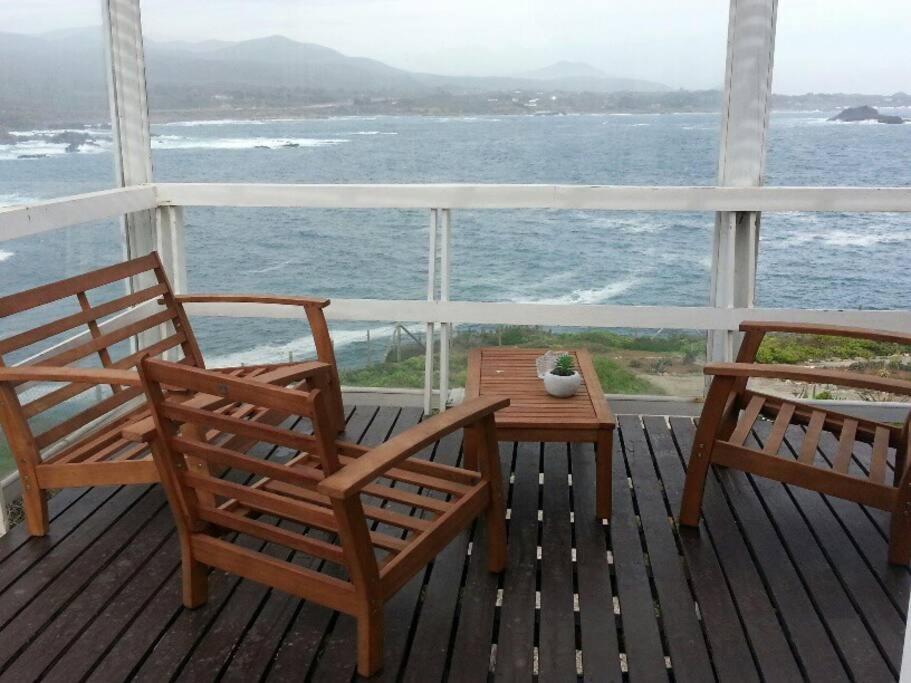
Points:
x=597 y=622
x=641 y=635
x=730 y=649
x=515 y=638
x=557 y=650
x=758 y=614
x=686 y=643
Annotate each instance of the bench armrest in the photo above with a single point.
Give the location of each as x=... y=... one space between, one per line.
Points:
x=306 y=302
x=885 y=336
x=812 y=375
x=354 y=476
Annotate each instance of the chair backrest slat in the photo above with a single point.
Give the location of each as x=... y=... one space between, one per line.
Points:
x=106 y=325
x=84 y=417
x=54 y=291
x=94 y=313
x=273 y=416
x=58 y=396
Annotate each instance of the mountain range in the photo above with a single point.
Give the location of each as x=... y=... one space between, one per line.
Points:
x=62 y=72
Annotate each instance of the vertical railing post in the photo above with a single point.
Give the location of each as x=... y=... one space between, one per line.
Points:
x=129 y=115
x=170 y=247
x=741 y=161
x=130 y=131
x=445 y=328
x=431 y=296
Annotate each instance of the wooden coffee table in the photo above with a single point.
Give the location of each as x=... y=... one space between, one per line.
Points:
x=533 y=415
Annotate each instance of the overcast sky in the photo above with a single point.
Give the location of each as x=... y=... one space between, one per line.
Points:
x=822 y=45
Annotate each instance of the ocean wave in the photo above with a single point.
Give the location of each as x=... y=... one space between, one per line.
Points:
x=372 y=132
x=301 y=347
x=48 y=132
x=838 y=238
x=38 y=149
x=587 y=296
x=214 y=122
x=179 y=142
x=5 y=255
x=16 y=200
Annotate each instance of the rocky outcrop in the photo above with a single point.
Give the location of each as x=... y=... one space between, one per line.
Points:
x=865 y=113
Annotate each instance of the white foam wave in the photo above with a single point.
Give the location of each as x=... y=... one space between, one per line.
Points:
x=588 y=296
x=179 y=142
x=372 y=132
x=5 y=255
x=36 y=149
x=216 y=122
x=16 y=200
x=47 y=132
x=839 y=238
x=301 y=347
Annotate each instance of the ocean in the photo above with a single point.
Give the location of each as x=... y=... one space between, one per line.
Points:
x=806 y=260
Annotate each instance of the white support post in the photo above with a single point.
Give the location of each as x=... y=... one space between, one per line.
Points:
x=129 y=116
x=744 y=124
x=170 y=247
x=431 y=297
x=445 y=328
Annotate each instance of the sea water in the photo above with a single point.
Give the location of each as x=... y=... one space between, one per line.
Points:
x=807 y=260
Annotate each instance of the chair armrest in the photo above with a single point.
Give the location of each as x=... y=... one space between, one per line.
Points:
x=813 y=375
x=306 y=302
x=351 y=478
x=885 y=336
x=43 y=373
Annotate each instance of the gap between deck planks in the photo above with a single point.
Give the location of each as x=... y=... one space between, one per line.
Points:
x=738 y=600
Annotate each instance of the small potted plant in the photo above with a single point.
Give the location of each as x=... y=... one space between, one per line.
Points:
x=563 y=380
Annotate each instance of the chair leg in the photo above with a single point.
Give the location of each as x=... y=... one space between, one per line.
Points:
x=701 y=455
x=194 y=580
x=900 y=535
x=370 y=641
x=34 y=503
x=496 y=529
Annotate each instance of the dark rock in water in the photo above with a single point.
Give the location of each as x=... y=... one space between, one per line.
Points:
x=72 y=147
x=291 y=144
x=32 y=156
x=262 y=147
x=71 y=138
x=865 y=113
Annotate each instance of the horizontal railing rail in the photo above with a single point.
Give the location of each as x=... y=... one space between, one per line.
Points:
x=511 y=196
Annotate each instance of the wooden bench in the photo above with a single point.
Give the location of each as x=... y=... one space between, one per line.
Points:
x=317 y=504
x=71 y=435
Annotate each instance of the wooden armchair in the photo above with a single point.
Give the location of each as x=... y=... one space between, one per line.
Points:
x=71 y=435
x=317 y=503
x=731 y=410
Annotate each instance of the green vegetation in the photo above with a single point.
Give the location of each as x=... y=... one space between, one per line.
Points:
x=564 y=367
x=805 y=348
x=619 y=359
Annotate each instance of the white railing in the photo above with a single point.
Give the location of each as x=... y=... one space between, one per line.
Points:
x=440 y=200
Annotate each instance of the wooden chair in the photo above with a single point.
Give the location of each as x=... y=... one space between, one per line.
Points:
x=317 y=502
x=731 y=410
x=71 y=436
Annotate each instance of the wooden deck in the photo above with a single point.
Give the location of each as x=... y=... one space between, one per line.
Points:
x=779 y=584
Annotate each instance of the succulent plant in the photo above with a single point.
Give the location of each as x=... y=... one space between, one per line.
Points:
x=564 y=366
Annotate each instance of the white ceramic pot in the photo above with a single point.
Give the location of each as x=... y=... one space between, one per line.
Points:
x=562 y=386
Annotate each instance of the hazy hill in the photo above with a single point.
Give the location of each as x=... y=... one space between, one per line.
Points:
x=62 y=74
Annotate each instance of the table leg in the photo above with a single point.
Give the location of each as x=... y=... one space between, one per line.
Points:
x=604 y=449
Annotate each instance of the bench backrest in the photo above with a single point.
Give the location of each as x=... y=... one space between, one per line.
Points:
x=108 y=329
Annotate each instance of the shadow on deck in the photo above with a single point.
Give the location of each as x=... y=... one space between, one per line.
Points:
x=779 y=583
